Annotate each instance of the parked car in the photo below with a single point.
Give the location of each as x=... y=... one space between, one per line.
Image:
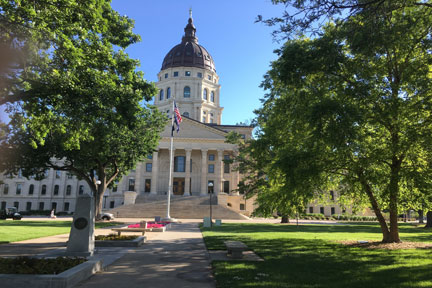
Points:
x=10 y=212
x=107 y=216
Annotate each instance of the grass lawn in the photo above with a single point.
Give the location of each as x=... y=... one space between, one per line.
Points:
x=12 y=231
x=309 y=256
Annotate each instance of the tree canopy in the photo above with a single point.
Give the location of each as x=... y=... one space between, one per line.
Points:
x=350 y=109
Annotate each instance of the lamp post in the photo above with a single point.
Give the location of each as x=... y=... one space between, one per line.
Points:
x=210 y=189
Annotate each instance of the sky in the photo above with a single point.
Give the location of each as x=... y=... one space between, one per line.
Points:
x=241 y=49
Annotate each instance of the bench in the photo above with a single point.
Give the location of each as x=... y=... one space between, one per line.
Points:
x=119 y=230
x=235 y=249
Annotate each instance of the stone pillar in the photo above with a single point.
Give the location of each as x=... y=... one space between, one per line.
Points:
x=219 y=172
x=188 y=175
x=154 y=177
x=236 y=176
x=138 y=177
x=204 y=172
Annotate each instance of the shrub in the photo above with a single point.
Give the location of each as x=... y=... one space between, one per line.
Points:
x=27 y=265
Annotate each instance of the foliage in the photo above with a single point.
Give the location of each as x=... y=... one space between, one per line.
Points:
x=114 y=237
x=77 y=99
x=28 y=265
x=309 y=256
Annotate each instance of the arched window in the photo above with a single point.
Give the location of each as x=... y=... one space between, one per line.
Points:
x=168 y=92
x=212 y=96
x=56 y=189
x=31 y=189
x=186 y=92
x=68 y=189
x=161 y=94
x=43 y=191
x=205 y=92
x=186 y=114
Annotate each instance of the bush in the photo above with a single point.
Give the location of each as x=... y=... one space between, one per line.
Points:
x=114 y=237
x=27 y=265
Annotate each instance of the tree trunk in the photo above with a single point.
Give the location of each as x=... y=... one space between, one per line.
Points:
x=420 y=212
x=285 y=219
x=393 y=205
x=99 y=200
x=429 y=219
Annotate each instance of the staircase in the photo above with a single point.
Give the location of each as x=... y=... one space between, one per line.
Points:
x=182 y=207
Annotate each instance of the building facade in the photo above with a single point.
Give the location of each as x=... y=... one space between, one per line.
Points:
x=188 y=76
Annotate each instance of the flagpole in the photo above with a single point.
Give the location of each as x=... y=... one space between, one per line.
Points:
x=168 y=217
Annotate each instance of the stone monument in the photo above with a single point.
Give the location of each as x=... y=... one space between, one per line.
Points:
x=81 y=237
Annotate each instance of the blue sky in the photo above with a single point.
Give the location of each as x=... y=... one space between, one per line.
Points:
x=242 y=50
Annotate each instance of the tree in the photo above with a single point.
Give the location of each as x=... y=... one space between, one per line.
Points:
x=350 y=109
x=77 y=106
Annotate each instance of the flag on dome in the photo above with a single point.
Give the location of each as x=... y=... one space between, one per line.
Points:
x=177 y=117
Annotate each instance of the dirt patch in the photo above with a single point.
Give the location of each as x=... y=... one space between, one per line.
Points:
x=389 y=246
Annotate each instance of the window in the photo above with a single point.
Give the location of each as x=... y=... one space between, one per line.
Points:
x=175 y=74
x=69 y=175
x=148 y=167
x=333 y=210
x=210 y=186
x=131 y=184
x=46 y=173
x=6 y=189
x=147 y=185
x=211 y=157
x=43 y=191
x=322 y=210
x=41 y=206
x=226 y=165
x=54 y=206
x=187 y=73
x=205 y=92
x=3 y=205
x=179 y=164
x=112 y=204
x=31 y=189
x=58 y=174
x=332 y=195
x=212 y=96
x=66 y=206
x=186 y=92
x=242 y=206
x=150 y=156
x=168 y=92
x=209 y=77
x=68 y=190
x=199 y=75
x=161 y=95
x=311 y=210
x=211 y=168
x=186 y=114
x=226 y=188
x=204 y=119
x=20 y=173
x=28 y=206
x=18 y=188
x=81 y=190
x=166 y=75
x=16 y=205
x=56 y=189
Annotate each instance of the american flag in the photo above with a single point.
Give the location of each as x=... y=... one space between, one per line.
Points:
x=177 y=117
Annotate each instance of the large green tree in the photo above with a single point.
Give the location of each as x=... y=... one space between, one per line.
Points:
x=76 y=100
x=352 y=107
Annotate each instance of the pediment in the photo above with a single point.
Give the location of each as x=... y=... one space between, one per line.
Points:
x=192 y=129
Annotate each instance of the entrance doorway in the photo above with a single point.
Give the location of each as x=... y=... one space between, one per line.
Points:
x=178 y=186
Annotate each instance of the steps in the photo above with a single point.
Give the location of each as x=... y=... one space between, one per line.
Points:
x=182 y=207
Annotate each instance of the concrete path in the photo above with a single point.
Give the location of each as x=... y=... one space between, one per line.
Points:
x=176 y=258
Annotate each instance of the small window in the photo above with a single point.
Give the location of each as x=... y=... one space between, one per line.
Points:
x=58 y=174
x=43 y=191
x=56 y=189
x=226 y=188
x=18 y=189
x=112 y=204
x=150 y=156
x=211 y=168
x=54 y=206
x=168 y=93
x=186 y=114
x=242 y=207
x=226 y=165
x=68 y=190
x=147 y=185
x=209 y=77
x=31 y=189
x=131 y=184
x=3 y=205
x=175 y=74
x=179 y=164
x=186 y=92
x=333 y=210
x=205 y=92
x=66 y=206
x=166 y=75
x=149 y=167
x=212 y=96
x=28 y=206
x=6 y=189
x=161 y=95
x=41 y=206
x=311 y=210
x=16 y=205
x=199 y=75
x=322 y=210
x=81 y=190
x=187 y=73
x=211 y=157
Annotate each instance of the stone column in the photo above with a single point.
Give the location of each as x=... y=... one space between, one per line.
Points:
x=204 y=172
x=188 y=175
x=236 y=176
x=138 y=178
x=154 y=177
x=219 y=172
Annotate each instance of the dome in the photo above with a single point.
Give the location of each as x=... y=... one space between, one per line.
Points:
x=189 y=53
